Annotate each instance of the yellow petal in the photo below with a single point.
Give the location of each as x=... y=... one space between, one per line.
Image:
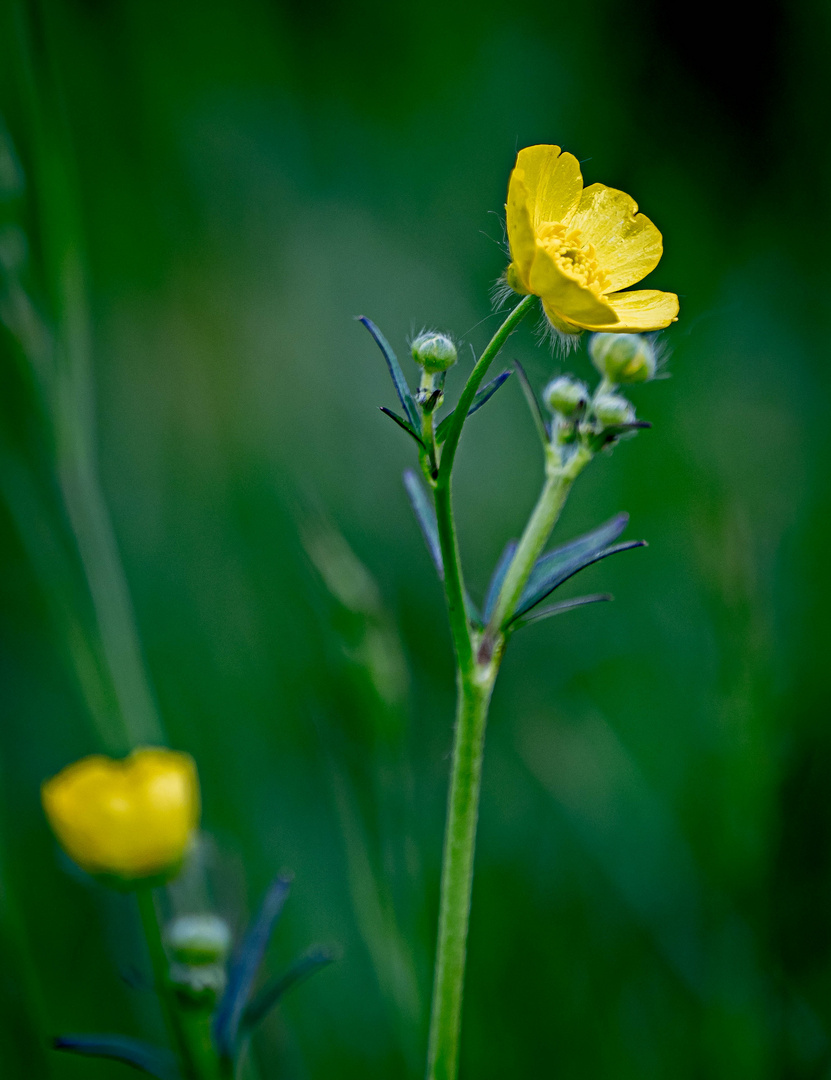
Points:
x=553 y=181
x=564 y=296
x=131 y=818
x=626 y=243
x=518 y=220
x=642 y=309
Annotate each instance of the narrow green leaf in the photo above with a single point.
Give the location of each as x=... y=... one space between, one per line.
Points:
x=138 y=1055
x=561 y=570
x=557 y=609
x=583 y=546
x=244 y=969
x=402 y=389
x=533 y=403
x=273 y=991
x=481 y=398
x=498 y=577
x=426 y=518
x=402 y=423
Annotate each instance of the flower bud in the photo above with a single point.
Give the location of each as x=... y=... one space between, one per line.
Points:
x=612 y=410
x=566 y=396
x=434 y=352
x=129 y=820
x=200 y=986
x=198 y=939
x=623 y=358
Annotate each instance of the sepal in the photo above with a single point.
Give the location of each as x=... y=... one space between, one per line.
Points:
x=610 y=435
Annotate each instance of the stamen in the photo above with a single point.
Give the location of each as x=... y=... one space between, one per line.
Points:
x=575 y=259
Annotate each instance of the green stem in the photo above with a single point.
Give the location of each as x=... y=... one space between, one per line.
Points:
x=448 y=453
x=188 y=1027
x=457 y=874
x=475 y=685
x=160 y=965
x=559 y=479
x=454 y=588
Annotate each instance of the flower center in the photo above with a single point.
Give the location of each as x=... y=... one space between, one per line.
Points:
x=574 y=258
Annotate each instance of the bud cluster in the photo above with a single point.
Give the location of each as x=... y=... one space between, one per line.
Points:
x=620 y=359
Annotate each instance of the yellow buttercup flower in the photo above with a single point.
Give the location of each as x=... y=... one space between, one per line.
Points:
x=577 y=247
x=130 y=819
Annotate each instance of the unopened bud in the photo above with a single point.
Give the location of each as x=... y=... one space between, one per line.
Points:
x=434 y=352
x=612 y=410
x=198 y=986
x=198 y=939
x=566 y=396
x=623 y=358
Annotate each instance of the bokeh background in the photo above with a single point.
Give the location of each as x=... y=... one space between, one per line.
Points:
x=203 y=528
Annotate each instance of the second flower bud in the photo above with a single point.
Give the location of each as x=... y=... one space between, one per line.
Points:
x=434 y=352
x=623 y=358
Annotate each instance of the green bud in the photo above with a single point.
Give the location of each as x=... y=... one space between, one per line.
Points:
x=612 y=410
x=199 y=986
x=623 y=358
x=198 y=939
x=434 y=352
x=566 y=396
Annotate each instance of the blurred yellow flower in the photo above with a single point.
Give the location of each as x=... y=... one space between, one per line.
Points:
x=576 y=247
x=130 y=819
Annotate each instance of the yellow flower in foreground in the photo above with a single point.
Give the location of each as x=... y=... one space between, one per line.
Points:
x=576 y=247
x=130 y=819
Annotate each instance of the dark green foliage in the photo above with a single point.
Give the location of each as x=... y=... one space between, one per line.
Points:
x=396 y=374
x=138 y=1055
x=425 y=516
x=557 y=566
x=273 y=991
x=244 y=968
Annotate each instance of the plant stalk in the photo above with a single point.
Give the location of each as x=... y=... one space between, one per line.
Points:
x=474 y=686
x=448 y=453
x=189 y=1029
x=559 y=479
x=457 y=873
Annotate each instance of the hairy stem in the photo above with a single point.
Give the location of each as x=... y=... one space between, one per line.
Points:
x=549 y=506
x=457 y=874
x=454 y=588
x=475 y=685
x=475 y=379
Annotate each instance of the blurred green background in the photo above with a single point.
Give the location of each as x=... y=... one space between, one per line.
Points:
x=210 y=192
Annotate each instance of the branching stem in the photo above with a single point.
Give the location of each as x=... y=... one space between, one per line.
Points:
x=474 y=680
